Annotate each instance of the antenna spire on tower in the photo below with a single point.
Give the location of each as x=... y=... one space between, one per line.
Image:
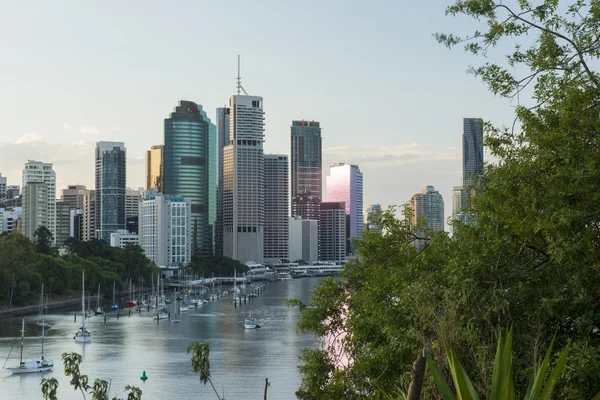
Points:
x=239 y=79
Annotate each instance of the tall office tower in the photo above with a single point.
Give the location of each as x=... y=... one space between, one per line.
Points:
x=63 y=222
x=39 y=172
x=111 y=168
x=35 y=209
x=223 y=138
x=165 y=229
x=345 y=183
x=88 y=217
x=154 y=161
x=73 y=195
x=304 y=239
x=472 y=151
x=13 y=191
x=332 y=232
x=243 y=175
x=276 y=187
x=427 y=206
x=3 y=188
x=373 y=215
x=132 y=202
x=189 y=163
x=76 y=224
x=306 y=168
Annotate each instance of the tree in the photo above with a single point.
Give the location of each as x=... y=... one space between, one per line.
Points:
x=201 y=363
x=42 y=238
x=531 y=259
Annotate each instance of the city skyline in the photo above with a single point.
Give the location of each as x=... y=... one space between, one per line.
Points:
x=89 y=98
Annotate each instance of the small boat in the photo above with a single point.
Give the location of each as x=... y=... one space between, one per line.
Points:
x=250 y=321
x=27 y=367
x=163 y=313
x=82 y=335
x=184 y=308
x=99 y=310
x=41 y=323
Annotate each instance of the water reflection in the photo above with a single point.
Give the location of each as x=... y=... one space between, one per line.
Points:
x=122 y=349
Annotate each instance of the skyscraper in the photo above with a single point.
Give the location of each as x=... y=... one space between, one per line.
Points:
x=276 y=181
x=3 y=188
x=243 y=175
x=223 y=138
x=88 y=217
x=111 y=168
x=189 y=169
x=35 y=209
x=306 y=168
x=63 y=222
x=373 y=215
x=472 y=151
x=73 y=195
x=40 y=172
x=132 y=202
x=428 y=206
x=332 y=232
x=154 y=160
x=345 y=184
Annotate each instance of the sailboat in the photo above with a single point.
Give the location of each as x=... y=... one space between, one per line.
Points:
x=161 y=311
x=115 y=306
x=27 y=367
x=99 y=310
x=41 y=323
x=250 y=321
x=236 y=290
x=175 y=318
x=82 y=335
x=89 y=312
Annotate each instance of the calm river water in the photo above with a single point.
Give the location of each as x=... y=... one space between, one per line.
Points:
x=122 y=349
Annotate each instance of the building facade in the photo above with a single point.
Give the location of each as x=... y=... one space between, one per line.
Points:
x=472 y=151
x=3 y=188
x=111 y=172
x=189 y=169
x=39 y=173
x=154 y=162
x=374 y=212
x=223 y=140
x=345 y=184
x=122 y=237
x=276 y=189
x=88 y=217
x=165 y=230
x=306 y=167
x=332 y=231
x=243 y=181
x=304 y=240
x=132 y=202
x=9 y=218
x=63 y=222
x=73 y=195
x=428 y=207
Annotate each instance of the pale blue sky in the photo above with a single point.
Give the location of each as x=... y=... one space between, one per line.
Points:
x=387 y=95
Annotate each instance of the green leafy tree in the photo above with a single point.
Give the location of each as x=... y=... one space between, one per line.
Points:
x=42 y=238
x=201 y=363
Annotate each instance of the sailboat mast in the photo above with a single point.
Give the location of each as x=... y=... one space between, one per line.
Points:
x=83 y=300
x=22 y=339
x=43 y=322
x=98 y=300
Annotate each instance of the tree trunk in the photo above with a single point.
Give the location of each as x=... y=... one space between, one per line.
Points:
x=416 y=381
x=266 y=386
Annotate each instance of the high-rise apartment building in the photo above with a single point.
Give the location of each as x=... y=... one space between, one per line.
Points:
x=243 y=185
x=39 y=173
x=73 y=196
x=472 y=151
x=3 y=188
x=332 y=231
x=63 y=222
x=154 y=161
x=345 y=184
x=304 y=239
x=276 y=189
x=223 y=139
x=373 y=215
x=88 y=217
x=111 y=168
x=306 y=168
x=189 y=169
x=132 y=202
x=165 y=229
x=427 y=206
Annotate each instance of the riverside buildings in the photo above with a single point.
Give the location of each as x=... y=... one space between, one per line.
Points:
x=39 y=198
x=165 y=229
x=243 y=180
x=276 y=192
x=306 y=168
x=111 y=168
x=345 y=184
x=332 y=231
x=189 y=170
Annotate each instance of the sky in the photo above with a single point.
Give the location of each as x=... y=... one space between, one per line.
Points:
x=388 y=96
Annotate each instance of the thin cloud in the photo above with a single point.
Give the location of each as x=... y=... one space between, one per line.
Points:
x=389 y=155
x=30 y=137
x=90 y=130
x=67 y=126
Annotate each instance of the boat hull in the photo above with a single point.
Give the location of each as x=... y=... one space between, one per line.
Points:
x=82 y=338
x=20 y=371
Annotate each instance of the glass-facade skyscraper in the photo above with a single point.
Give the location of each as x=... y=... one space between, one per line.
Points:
x=189 y=169
x=306 y=169
x=472 y=151
x=222 y=141
x=111 y=172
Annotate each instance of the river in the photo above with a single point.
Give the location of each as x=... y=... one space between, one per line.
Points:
x=123 y=348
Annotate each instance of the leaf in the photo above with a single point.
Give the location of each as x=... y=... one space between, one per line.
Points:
x=439 y=380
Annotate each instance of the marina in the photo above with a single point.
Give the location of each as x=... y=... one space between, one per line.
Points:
x=130 y=343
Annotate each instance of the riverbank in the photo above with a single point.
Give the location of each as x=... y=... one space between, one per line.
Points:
x=53 y=307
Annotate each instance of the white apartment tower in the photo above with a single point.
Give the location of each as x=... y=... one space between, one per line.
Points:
x=165 y=230
x=243 y=180
x=277 y=192
x=37 y=172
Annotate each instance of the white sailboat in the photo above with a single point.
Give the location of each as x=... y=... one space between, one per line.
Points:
x=161 y=311
x=27 y=367
x=99 y=309
x=236 y=290
x=250 y=321
x=82 y=335
x=41 y=323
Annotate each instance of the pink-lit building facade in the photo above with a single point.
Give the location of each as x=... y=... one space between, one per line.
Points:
x=345 y=184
